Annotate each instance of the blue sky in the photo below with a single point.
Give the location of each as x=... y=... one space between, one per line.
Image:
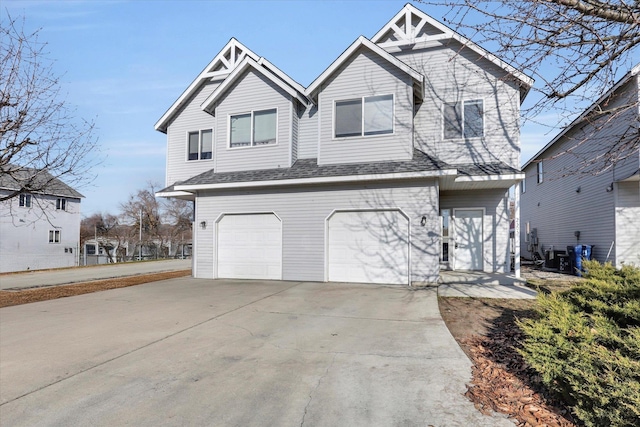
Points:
x=123 y=63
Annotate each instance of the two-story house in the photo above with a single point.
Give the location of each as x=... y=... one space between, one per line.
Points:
x=38 y=230
x=583 y=187
x=393 y=163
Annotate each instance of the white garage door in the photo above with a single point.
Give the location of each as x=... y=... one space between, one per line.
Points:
x=368 y=247
x=250 y=247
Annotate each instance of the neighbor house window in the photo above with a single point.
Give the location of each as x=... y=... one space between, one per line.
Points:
x=523 y=185
x=54 y=236
x=252 y=129
x=25 y=200
x=463 y=119
x=61 y=204
x=201 y=145
x=369 y=115
x=540 y=177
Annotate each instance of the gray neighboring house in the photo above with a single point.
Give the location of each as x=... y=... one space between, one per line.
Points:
x=38 y=230
x=567 y=200
x=394 y=163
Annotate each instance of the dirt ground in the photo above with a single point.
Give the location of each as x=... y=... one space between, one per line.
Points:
x=25 y=296
x=486 y=330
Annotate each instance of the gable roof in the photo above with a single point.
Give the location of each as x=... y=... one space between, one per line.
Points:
x=219 y=67
x=22 y=178
x=624 y=80
x=364 y=42
x=412 y=27
x=282 y=81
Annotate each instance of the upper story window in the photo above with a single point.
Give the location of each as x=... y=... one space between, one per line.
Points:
x=25 y=200
x=54 y=236
x=61 y=204
x=523 y=186
x=200 y=145
x=540 y=177
x=369 y=115
x=254 y=128
x=463 y=119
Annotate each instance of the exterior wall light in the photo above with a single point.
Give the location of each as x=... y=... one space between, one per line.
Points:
x=610 y=188
x=203 y=225
x=423 y=221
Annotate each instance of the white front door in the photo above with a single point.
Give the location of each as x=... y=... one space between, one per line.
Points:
x=249 y=247
x=468 y=249
x=368 y=247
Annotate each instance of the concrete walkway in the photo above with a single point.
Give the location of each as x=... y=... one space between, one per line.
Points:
x=475 y=284
x=235 y=353
x=34 y=279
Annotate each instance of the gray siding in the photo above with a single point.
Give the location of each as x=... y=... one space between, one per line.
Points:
x=628 y=223
x=366 y=74
x=495 y=223
x=295 y=124
x=303 y=215
x=253 y=92
x=557 y=209
x=190 y=118
x=308 y=134
x=455 y=74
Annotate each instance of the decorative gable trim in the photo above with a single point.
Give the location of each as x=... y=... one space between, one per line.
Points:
x=413 y=27
x=418 y=78
x=247 y=63
x=232 y=54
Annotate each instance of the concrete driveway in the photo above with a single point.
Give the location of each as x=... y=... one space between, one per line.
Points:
x=234 y=353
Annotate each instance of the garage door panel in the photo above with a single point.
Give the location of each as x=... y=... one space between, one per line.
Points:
x=369 y=247
x=250 y=247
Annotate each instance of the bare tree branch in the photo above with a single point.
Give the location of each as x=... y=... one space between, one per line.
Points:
x=41 y=141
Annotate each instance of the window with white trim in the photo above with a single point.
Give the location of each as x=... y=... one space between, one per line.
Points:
x=200 y=145
x=25 y=200
x=54 y=236
x=523 y=186
x=253 y=129
x=463 y=119
x=540 y=175
x=369 y=115
x=61 y=204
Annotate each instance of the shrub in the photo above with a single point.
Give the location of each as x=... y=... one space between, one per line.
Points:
x=585 y=344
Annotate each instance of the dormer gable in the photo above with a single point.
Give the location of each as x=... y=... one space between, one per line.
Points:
x=223 y=64
x=260 y=66
x=315 y=87
x=411 y=28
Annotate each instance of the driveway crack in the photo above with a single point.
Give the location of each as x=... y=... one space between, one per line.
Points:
x=316 y=388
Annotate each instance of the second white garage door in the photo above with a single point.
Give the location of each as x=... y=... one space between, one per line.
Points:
x=250 y=247
x=368 y=247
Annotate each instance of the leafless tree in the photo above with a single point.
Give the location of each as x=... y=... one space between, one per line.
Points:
x=575 y=49
x=162 y=223
x=41 y=141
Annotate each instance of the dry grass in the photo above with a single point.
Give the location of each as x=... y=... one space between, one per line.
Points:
x=17 y=297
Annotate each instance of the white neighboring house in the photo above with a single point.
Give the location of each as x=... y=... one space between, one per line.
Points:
x=39 y=230
x=562 y=205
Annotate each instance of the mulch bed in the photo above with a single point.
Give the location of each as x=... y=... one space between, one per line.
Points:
x=16 y=297
x=502 y=381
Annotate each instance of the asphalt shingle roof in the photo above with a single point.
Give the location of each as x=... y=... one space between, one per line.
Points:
x=39 y=180
x=309 y=168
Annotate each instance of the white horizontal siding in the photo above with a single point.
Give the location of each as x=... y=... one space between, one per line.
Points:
x=557 y=209
x=253 y=92
x=303 y=217
x=454 y=74
x=628 y=224
x=367 y=74
x=24 y=234
x=190 y=118
x=495 y=223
